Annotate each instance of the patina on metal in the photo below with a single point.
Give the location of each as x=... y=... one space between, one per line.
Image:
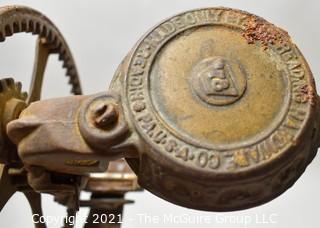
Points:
x=213 y=109
x=15 y=174
x=225 y=107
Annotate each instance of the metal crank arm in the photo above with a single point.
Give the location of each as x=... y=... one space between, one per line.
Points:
x=74 y=135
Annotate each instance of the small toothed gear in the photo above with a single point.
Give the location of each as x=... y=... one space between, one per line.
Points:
x=12 y=102
x=16 y=19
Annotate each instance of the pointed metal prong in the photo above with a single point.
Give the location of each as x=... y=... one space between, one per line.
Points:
x=34 y=200
x=6 y=188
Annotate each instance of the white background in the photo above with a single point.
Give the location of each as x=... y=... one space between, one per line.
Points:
x=100 y=33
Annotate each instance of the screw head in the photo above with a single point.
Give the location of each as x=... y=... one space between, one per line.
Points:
x=105 y=115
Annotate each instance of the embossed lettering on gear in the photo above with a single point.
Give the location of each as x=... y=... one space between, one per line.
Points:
x=222 y=99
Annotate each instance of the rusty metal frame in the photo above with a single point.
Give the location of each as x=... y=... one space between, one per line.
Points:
x=143 y=119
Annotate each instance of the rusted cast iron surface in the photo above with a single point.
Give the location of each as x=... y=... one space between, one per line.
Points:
x=19 y=175
x=13 y=174
x=225 y=107
x=214 y=109
x=15 y=19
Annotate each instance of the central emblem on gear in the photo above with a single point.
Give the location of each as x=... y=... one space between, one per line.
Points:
x=218 y=81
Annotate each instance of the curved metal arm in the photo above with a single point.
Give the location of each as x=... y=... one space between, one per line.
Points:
x=81 y=134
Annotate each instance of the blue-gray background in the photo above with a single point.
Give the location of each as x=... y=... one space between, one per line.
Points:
x=100 y=33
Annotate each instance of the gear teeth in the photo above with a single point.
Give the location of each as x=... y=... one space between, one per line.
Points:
x=6 y=84
x=76 y=91
x=49 y=37
x=67 y=63
x=16 y=27
x=23 y=19
x=9 y=85
x=54 y=42
x=72 y=72
x=44 y=31
x=9 y=89
x=31 y=26
x=71 y=80
x=2 y=37
x=1 y=87
x=24 y=26
x=64 y=57
x=18 y=86
x=9 y=82
x=37 y=29
x=24 y=96
x=8 y=30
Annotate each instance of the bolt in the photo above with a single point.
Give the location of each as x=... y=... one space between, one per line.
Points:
x=105 y=115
